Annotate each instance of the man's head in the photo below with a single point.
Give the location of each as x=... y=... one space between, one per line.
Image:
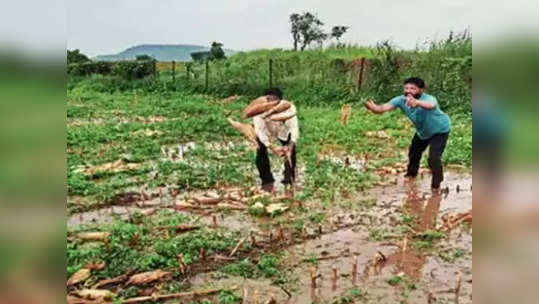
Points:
x=274 y=94
x=414 y=86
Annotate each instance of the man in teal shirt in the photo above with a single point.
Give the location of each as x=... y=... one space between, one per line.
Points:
x=431 y=124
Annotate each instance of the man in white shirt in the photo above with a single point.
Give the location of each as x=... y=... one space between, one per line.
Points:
x=267 y=130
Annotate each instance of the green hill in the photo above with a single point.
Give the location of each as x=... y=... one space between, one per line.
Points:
x=161 y=52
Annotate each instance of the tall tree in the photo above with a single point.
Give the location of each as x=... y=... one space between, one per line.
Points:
x=294 y=23
x=76 y=56
x=216 y=51
x=337 y=32
x=144 y=57
x=306 y=28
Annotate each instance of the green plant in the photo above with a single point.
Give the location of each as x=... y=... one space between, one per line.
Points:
x=317 y=217
x=431 y=235
x=228 y=297
x=395 y=280
x=244 y=268
x=268 y=265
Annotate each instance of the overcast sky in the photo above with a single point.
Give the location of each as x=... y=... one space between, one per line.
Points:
x=110 y=26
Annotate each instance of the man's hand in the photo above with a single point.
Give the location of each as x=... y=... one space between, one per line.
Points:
x=411 y=102
x=370 y=105
x=280 y=151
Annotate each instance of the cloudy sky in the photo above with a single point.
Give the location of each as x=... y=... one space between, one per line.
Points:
x=110 y=26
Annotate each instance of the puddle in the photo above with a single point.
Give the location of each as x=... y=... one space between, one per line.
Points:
x=101 y=216
x=431 y=276
x=125 y=204
x=428 y=272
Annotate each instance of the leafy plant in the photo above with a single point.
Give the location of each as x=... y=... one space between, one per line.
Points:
x=228 y=297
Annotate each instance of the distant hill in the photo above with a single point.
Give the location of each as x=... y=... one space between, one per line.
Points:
x=161 y=52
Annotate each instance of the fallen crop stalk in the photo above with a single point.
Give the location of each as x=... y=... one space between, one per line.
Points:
x=119 y=279
x=238 y=245
x=189 y=294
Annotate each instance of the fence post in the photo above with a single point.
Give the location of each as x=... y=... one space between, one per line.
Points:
x=154 y=68
x=173 y=71
x=360 y=77
x=271 y=73
x=207 y=75
x=187 y=70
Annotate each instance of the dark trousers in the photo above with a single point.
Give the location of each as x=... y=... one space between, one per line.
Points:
x=437 y=144
x=264 y=167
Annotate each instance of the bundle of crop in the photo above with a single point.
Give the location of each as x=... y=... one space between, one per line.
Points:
x=247 y=130
x=283 y=105
x=258 y=106
x=285 y=114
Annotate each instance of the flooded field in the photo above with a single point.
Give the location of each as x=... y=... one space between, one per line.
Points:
x=390 y=244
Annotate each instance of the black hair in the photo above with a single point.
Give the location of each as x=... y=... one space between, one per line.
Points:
x=275 y=92
x=418 y=82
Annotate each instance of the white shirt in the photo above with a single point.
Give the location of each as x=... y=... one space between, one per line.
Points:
x=267 y=130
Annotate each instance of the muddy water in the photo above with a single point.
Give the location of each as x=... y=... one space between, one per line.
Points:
x=425 y=274
x=424 y=269
x=108 y=214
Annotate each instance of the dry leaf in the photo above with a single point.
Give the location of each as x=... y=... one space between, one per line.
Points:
x=147 y=277
x=79 y=276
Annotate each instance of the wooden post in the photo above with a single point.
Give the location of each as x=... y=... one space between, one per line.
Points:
x=155 y=68
x=173 y=71
x=271 y=73
x=207 y=76
x=361 y=69
x=187 y=70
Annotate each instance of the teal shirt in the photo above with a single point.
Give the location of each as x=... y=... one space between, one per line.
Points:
x=426 y=122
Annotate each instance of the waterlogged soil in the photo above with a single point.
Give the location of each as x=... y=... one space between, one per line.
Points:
x=425 y=277
x=385 y=231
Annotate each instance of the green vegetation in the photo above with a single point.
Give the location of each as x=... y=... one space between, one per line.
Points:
x=451 y=255
x=228 y=297
x=267 y=267
x=395 y=280
x=351 y=296
x=145 y=246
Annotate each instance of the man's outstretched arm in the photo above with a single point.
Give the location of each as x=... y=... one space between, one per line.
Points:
x=378 y=109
